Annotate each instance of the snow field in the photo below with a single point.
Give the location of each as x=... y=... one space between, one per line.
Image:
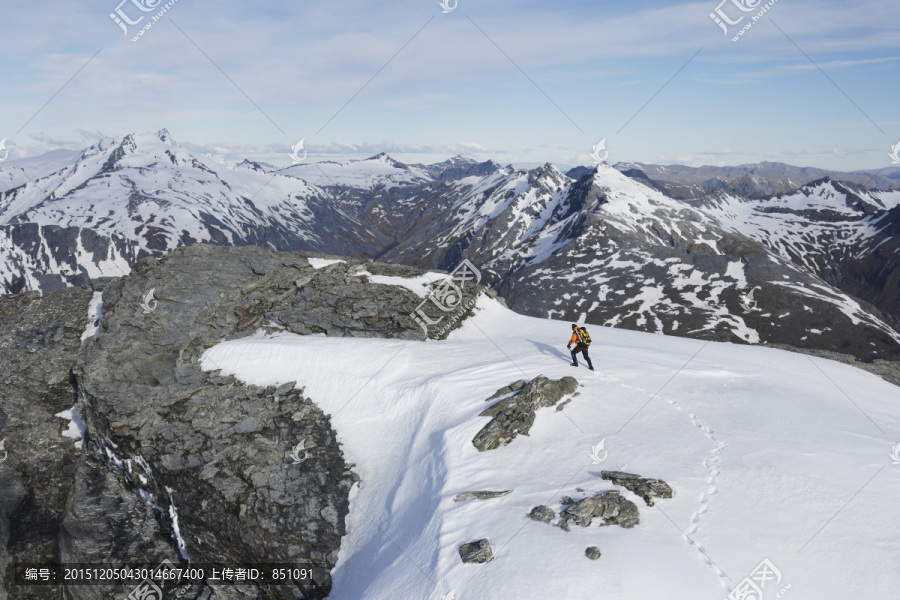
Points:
x=762 y=449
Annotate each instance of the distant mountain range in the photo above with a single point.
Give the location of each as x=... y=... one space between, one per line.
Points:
x=749 y=181
x=757 y=253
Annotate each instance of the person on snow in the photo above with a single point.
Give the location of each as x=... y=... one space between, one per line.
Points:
x=582 y=340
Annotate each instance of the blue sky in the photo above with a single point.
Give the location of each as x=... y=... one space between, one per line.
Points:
x=522 y=82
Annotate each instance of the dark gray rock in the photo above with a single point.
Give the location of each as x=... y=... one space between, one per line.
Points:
x=609 y=506
x=39 y=338
x=592 y=552
x=542 y=513
x=480 y=495
x=515 y=415
x=284 y=388
x=648 y=489
x=476 y=552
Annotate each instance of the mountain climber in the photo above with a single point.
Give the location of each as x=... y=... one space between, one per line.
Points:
x=582 y=340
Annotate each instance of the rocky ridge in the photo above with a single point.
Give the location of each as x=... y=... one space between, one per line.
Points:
x=177 y=463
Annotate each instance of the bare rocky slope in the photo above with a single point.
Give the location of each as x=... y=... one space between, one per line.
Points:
x=177 y=462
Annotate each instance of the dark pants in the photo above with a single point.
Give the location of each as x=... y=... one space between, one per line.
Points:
x=584 y=350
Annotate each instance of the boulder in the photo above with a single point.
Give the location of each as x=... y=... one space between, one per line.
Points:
x=609 y=506
x=476 y=552
x=542 y=513
x=592 y=552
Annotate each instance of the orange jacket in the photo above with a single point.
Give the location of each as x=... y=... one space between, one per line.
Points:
x=574 y=339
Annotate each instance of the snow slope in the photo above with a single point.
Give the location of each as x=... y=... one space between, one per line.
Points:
x=772 y=455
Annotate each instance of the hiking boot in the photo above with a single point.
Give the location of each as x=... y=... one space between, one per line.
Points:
x=573 y=364
x=591 y=368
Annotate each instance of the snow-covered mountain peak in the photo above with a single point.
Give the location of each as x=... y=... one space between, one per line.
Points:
x=259 y=167
x=610 y=178
x=386 y=159
x=103 y=145
x=165 y=137
x=548 y=176
x=376 y=171
x=152 y=150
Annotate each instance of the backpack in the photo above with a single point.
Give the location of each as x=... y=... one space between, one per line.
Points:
x=583 y=336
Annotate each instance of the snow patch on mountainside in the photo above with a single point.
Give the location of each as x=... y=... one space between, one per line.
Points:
x=420 y=285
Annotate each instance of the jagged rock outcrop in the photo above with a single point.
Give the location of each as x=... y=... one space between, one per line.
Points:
x=648 y=489
x=515 y=415
x=177 y=460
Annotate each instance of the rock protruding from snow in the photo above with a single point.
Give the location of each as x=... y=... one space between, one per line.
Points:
x=505 y=391
x=648 y=489
x=609 y=506
x=480 y=495
x=515 y=415
x=542 y=513
x=476 y=552
x=592 y=552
